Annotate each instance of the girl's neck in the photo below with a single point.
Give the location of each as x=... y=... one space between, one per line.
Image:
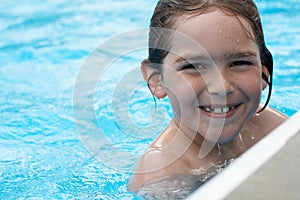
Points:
x=205 y=148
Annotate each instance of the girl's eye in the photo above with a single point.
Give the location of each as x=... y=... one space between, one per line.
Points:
x=191 y=68
x=188 y=66
x=241 y=63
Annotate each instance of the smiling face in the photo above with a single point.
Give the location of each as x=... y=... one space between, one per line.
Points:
x=215 y=85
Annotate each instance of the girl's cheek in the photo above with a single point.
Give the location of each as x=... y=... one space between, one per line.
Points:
x=183 y=91
x=252 y=84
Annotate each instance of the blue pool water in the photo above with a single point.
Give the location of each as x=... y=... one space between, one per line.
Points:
x=43 y=46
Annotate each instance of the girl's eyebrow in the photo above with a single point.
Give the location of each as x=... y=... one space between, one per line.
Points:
x=207 y=59
x=240 y=55
x=193 y=58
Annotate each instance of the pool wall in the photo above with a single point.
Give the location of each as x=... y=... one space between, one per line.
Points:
x=266 y=171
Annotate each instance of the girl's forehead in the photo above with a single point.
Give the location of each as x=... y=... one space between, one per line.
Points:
x=215 y=33
x=213 y=21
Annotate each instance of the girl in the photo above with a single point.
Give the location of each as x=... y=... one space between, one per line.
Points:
x=209 y=57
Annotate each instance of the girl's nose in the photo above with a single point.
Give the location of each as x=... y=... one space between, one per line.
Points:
x=220 y=83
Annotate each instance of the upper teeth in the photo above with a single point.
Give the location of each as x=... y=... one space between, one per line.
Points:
x=218 y=110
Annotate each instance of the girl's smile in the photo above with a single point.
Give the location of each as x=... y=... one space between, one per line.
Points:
x=216 y=111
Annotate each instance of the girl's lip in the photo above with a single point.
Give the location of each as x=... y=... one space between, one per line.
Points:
x=220 y=111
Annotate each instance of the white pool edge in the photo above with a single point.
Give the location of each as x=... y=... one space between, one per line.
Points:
x=223 y=184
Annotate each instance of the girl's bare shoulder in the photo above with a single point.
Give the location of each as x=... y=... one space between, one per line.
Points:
x=154 y=165
x=267 y=120
x=158 y=162
x=272 y=116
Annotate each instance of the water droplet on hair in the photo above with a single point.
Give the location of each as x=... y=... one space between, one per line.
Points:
x=252 y=136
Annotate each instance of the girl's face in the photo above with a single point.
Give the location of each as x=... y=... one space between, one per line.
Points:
x=214 y=86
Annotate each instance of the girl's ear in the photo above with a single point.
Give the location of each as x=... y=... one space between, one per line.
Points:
x=153 y=79
x=265 y=77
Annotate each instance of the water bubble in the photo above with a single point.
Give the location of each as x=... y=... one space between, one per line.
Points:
x=252 y=136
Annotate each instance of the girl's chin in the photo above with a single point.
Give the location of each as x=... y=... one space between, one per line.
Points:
x=216 y=133
x=225 y=140
x=221 y=138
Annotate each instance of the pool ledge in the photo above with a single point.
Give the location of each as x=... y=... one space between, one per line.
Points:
x=269 y=170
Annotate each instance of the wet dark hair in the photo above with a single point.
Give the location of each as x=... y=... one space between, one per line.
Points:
x=167 y=11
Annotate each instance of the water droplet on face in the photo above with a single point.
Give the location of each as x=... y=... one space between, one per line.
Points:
x=253 y=136
x=228 y=36
x=220 y=31
x=219 y=148
x=238 y=40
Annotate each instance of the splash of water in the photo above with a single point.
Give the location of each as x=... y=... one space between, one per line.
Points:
x=179 y=186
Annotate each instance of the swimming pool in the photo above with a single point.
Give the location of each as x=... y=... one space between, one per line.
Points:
x=43 y=47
